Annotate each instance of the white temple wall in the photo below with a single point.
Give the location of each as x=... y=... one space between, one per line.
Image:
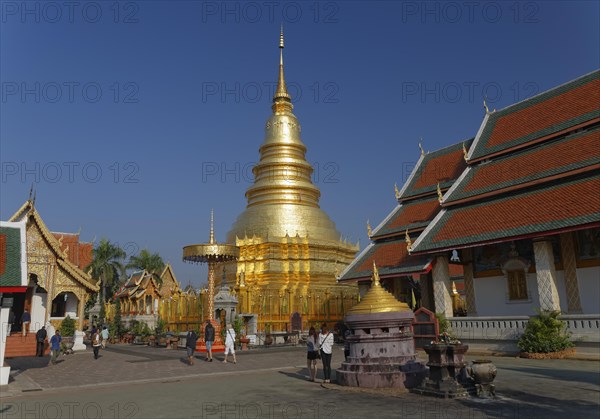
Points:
x=491 y=297
x=589 y=289
x=38 y=312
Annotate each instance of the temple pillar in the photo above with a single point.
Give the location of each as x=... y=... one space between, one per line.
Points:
x=546 y=275
x=442 y=286
x=569 y=262
x=467 y=257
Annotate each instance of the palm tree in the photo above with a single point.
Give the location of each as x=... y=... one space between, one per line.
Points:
x=151 y=262
x=106 y=264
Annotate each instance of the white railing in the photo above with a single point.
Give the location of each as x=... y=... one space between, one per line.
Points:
x=583 y=327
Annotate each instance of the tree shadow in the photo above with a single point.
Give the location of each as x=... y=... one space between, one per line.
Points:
x=523 y=405
x=590 y=377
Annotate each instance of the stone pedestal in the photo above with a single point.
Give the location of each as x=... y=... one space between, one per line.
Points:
x=78 y=344
x=445 y=364
x=382 y=352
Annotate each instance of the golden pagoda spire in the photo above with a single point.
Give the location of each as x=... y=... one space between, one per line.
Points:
x=211 y=239
x=281 y=98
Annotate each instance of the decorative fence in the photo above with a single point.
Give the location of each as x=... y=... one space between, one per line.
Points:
x=583 y=327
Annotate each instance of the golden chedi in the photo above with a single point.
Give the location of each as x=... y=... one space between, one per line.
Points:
x=290 y=250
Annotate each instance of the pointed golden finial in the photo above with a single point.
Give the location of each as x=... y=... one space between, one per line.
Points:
x=465 y=152
x=369 y=231
x=211 y=239
x=281 y=93
x=439 y=193
x=454 y=291
x=421 y=147
x=396 y=191
x=376 y=281
x=30 y=192
x=408 y=241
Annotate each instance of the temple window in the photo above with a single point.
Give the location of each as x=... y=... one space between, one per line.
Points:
x=515 y=270
x=517 y=285
x=65 y=304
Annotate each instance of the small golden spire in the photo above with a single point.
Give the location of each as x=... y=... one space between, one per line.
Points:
x=421 y=147
x=439 y=193
x=211 y=239
x=465 y=152
x=454 y=291
x=396 y=191
x=376 y=282
x=408 y=241
x=369 y=231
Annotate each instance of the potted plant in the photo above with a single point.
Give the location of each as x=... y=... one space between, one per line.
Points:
x=67 y=330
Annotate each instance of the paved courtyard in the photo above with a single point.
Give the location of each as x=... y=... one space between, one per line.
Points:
x=139 y=382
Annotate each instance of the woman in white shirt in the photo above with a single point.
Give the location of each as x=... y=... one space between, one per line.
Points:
x=229 y=343
x=312 y=351
x=326 y=347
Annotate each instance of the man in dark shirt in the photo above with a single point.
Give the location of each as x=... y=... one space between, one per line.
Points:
x=40 y=338
x=190 y=344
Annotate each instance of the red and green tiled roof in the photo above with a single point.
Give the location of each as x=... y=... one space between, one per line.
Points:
x=10 y=257
x=391 y=258
x=441 y=166
x=544 y=210
x=557 y=158
x=557 y=110
x=409 y=215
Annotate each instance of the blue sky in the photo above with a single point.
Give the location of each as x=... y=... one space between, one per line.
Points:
x=134 y=119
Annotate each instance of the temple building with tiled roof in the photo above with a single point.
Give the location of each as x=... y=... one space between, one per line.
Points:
x=524 y=215
x=143 y=293
x=519 y=212
x=50 y=281
x=417 y=204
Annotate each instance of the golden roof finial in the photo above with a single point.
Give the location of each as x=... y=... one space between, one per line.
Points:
x=408 y=241
x=439 y=193
x=487 y=110
x=369 y=231
x=281 y=94
x=421 y=147
x=376 y=282
x=454 y=291
x=465 y=152
x=396 y=191
x=211 y=239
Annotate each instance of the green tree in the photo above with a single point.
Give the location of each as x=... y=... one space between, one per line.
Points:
x=107 y=264
x=151 y=262
x=67 y=327
x=116 y=325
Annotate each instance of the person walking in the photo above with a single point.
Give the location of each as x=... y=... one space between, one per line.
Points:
x=40 y=339
x=229 y=343
x=209 y=338
x=104 y=335
x=312 y=353
x=96 y=344
x=25 y=320
x=11 y=320
x=326 y=348
x=190 y=344
x=55 y=346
